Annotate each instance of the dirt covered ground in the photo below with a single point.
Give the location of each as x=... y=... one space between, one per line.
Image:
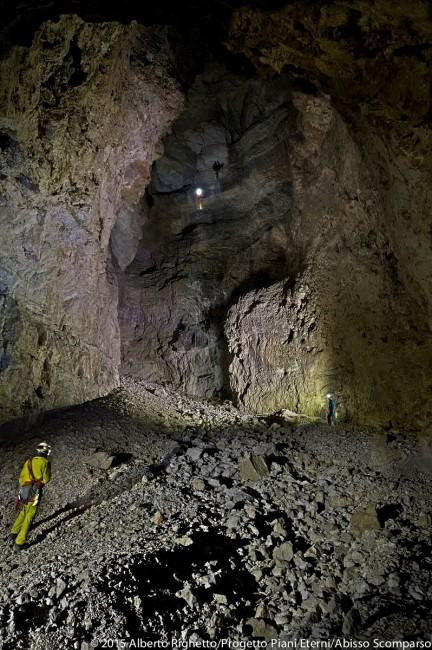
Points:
x=169 y=519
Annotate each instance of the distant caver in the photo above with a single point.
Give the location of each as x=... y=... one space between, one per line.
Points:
x=331 y=409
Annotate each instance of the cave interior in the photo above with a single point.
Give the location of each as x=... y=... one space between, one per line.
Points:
x=225 y=205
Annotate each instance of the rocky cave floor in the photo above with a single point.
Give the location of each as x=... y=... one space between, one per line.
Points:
x=187 y=536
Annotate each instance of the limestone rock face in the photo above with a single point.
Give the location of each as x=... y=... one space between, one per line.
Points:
x=287 y=278
x=198 y=253
x=82 y=113
x=367 y=290
x=355 y=321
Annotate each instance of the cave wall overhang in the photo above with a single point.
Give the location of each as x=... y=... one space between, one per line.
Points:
x=373 y=58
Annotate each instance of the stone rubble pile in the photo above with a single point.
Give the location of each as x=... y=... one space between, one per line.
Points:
x=212 y=524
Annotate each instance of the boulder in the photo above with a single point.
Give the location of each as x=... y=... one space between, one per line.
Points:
x=364 y=519
x=198 y=484
x=187 y=594
x=194 y=453
x=253 y=468
x=101 y=460
x=262 y=629
x=184 y=541
x=283 y=553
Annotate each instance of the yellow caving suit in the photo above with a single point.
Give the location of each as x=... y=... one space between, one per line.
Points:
x=36 y=473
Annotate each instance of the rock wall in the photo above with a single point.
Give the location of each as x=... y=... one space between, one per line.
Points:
x=357 y=321
x=82 y=113
x=288 y=278
x=199 y=253
x=372 y=285
x=374 y=58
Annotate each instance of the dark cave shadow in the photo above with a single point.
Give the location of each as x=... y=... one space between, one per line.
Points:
x=75 y=513
x=49 y=424
x=121 y=458
x=157 y=579
x=389 y=511
x=278 y=460
x=387 y=605
x=57 y=513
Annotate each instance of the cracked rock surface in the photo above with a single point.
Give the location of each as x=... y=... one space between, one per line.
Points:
x=174 y=540
x=82 y=111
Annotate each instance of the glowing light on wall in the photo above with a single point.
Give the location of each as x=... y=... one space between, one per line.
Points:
x=199 y=192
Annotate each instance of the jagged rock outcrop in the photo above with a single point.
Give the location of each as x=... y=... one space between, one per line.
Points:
x=82 y=114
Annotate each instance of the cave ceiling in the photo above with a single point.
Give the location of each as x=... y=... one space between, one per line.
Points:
x=20 y=19
x=371 y=57
x=373 y=54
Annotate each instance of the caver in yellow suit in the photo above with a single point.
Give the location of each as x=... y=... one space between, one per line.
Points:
x=36 y=473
